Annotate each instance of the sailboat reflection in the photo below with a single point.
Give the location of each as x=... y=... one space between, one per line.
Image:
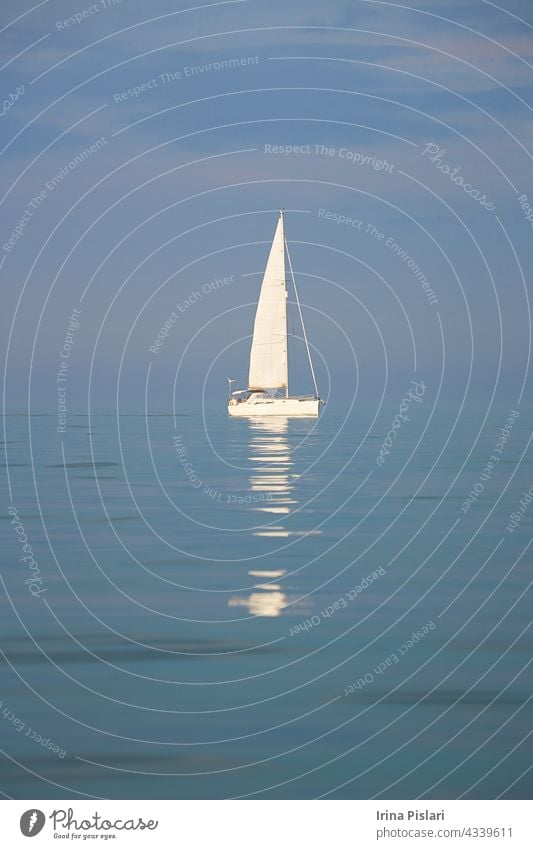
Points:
x=272 y=477
x=266 y=599
x=271 y=473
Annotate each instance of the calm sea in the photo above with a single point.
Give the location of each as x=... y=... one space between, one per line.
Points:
x=213 y=608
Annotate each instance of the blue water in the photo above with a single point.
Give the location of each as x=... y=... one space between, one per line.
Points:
x=226 y=608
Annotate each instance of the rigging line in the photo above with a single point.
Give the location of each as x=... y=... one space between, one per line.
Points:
x=301 y=317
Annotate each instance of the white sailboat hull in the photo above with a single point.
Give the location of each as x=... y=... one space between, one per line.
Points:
x=288 y=407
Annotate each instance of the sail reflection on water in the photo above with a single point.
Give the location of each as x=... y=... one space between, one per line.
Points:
x=266 y=599
x=272 y=475
x=271 y=472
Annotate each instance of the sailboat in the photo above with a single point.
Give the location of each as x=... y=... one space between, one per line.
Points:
x=268 y=379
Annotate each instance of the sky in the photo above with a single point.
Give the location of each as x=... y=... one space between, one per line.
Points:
x=145 y=152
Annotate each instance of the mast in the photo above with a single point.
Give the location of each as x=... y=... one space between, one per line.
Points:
x=301 y=320
x=282 y=219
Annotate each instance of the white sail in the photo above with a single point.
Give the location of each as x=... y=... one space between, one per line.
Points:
x=268 y=357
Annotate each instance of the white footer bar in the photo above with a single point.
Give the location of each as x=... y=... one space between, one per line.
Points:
x=268 y=824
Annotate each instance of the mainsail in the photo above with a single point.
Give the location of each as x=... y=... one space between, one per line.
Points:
x=268 y=357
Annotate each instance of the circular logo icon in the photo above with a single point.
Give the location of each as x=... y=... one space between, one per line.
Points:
x=32 y=822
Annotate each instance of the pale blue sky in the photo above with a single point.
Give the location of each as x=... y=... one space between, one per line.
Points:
x=182 y=191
